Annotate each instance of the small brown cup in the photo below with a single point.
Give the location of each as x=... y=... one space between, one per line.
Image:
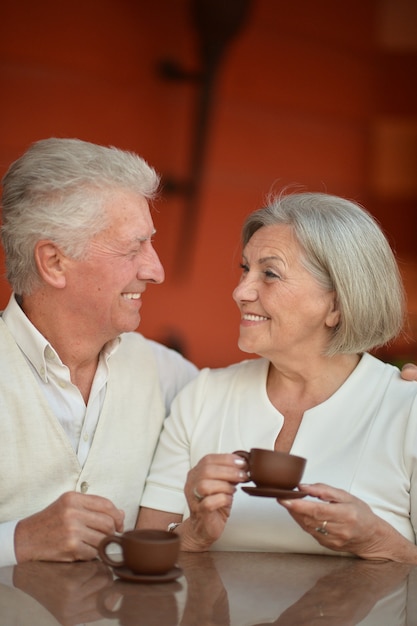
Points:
x=144 y=551
x=269 y=468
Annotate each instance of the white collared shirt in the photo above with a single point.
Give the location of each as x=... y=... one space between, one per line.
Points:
x=78 y=420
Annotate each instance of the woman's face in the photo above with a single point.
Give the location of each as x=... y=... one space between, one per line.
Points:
x=285 y=313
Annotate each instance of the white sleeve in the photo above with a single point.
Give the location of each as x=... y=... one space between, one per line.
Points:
x=164 y=489
x=411 y=455
x=7 y=554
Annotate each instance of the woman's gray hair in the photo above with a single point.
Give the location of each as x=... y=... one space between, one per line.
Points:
x=57 y=190
x=346 y=251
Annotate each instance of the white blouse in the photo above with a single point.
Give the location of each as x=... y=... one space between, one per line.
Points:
x=363 y=439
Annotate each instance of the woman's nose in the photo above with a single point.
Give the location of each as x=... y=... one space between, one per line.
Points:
x=245 y=290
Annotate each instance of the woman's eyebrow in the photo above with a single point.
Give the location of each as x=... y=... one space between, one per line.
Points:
x=272 y=257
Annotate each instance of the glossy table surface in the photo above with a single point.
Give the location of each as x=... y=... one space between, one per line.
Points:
x=215 y=589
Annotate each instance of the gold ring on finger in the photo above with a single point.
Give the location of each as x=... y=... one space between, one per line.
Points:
x=322 y=529
x=197 y=495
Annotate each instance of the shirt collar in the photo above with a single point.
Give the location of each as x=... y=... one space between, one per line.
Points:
x=33 y=344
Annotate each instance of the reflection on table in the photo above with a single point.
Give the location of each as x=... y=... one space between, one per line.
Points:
x=215 y=588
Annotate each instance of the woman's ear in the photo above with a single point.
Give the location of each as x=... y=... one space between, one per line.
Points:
x=50 y=263
x=333 y=316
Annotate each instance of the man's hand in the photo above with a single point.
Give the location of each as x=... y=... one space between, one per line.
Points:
x=409 y=371
x=69 y=591
x=70 y=529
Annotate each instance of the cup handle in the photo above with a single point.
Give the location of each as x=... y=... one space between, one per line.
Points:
x=102 y=550
x=243 y=453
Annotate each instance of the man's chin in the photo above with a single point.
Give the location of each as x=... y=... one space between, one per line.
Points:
x=131 y=325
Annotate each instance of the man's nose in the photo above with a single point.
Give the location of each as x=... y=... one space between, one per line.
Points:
x=151 y=268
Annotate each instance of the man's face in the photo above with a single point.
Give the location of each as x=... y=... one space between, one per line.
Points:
x=105 y=288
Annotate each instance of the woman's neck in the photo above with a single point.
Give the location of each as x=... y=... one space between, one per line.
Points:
x=294 y=391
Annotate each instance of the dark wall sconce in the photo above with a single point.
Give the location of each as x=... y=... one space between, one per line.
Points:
x=217 y=23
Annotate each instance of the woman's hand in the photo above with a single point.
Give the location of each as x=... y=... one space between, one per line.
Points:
x=342 y=522
x=209 y=491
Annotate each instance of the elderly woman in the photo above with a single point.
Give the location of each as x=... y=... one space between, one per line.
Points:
x=319 y=289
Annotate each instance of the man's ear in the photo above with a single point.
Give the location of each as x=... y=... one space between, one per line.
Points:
x=50 y=263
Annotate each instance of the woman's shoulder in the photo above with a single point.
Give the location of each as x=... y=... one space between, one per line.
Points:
x=373 y=364
x=384 y=376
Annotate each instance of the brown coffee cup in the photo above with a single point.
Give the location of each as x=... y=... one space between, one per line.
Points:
x=144 y=551
x=269 y=468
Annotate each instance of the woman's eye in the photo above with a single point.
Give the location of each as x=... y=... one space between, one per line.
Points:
x=244 y=268
x=271 y=274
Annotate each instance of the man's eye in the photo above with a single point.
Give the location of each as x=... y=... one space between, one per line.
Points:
x=244 y=268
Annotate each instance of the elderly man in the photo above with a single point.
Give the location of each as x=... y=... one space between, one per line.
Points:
x=82 y=396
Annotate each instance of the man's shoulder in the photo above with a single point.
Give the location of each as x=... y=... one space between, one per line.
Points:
x=242 y=372
x=169 y=362
x=137 y=341
x=133 y=345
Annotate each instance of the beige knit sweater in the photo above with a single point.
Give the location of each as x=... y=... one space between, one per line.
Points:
x=37 y=462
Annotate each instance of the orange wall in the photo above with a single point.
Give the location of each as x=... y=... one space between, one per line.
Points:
x=303 y=96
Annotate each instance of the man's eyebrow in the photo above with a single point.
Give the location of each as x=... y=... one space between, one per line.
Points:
x=144 y=238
